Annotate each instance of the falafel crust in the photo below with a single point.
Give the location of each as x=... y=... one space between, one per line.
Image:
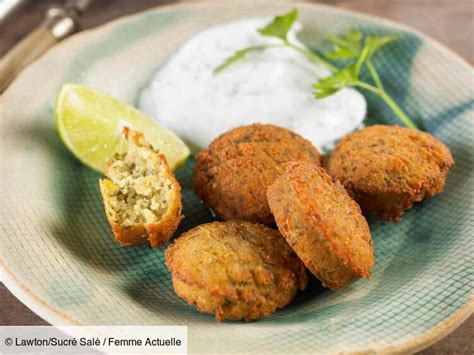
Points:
x=322 y=224
x=235 y=270
x=386 y=169
x=141 y=196
x=233 y=174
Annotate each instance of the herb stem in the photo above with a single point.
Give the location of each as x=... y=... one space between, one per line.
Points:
x=360 y=61
x=380 y=91
x=368 y=87
x=242 y=53
x=374 y=74
x=313 y=57
x=397 y=110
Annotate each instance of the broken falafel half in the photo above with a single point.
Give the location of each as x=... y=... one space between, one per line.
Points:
x=142 y=198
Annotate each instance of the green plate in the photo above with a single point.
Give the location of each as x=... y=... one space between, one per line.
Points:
x=60 y=258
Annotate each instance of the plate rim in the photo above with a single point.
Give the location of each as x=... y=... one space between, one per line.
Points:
x=204 y=3
x=56 y=317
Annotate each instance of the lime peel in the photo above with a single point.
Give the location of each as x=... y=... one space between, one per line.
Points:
x=90 y=124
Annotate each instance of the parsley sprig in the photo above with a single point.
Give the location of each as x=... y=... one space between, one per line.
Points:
x=277 y=28
x=352 y=46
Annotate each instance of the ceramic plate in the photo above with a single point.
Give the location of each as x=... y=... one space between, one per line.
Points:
x=60 y=258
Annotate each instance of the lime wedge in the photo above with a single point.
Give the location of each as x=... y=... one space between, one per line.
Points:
x=91 y=123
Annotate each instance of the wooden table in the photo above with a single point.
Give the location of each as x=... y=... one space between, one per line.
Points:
x=449 y=21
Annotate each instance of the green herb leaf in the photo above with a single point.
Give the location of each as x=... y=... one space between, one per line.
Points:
x=371 y=45
x=345 y=47
x=332 y=84
x=374 y=43
x=240 y=54
x=279 y=28
x=280 y=25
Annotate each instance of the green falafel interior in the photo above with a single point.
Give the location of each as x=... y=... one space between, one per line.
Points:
x=141 y=195
x=140 y=192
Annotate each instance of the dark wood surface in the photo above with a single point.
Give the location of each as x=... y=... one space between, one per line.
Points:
x=449 y=21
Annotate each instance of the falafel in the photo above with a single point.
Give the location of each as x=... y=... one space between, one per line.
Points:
x=233 y=174
x=235 y=270
x=322 y=224
x=386 y=169
x=142 y=198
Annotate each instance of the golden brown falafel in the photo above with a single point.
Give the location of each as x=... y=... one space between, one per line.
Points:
x=233 y=174
x=322 y=224
x=235 y=270
x=141 y=196
x=386 y=169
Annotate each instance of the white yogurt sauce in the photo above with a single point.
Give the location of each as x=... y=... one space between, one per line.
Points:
x=270 y=86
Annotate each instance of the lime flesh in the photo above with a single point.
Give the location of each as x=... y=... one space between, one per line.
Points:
x=91 y=124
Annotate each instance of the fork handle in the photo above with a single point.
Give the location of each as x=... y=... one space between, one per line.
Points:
x=57 y=25
x=27 y=50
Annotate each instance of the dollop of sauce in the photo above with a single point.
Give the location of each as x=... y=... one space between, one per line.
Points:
x=269 y=86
